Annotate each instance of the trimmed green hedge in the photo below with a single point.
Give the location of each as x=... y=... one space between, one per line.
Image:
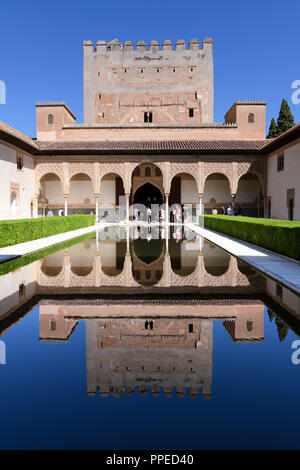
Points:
x=24 y=230
x=281 y=236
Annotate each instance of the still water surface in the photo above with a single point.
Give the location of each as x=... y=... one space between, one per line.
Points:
x=143 y=342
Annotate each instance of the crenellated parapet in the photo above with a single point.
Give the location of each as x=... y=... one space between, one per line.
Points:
x=128 y=46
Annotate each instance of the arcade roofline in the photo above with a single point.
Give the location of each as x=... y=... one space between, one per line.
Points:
x=34 y=147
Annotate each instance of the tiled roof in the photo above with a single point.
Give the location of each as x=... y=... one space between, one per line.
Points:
x=169 y=146
x=9 y=134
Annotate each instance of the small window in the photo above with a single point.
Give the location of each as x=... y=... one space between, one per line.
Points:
x=249 y=325
x=98 y=74
x=50 y=119
x=99 y=96
x=251 y=118
x=142 y=71
x=148 y=117
x=19 y=161
x=196 y=96
x=148 y=171
x=191 y=328
x=157 y=171
x=125 y=70
x=174 y=70
x=191 y=112
x=53 y=325
x=192 y=69
x=280 y=162
x=21 y=291
x=137 y=171
x=278 y=290
x=146 y=325
x=157 y=70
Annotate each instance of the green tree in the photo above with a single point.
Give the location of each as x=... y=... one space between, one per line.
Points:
x=282 y=329
x=272 y=130
x=285 y=119
x=271 y=315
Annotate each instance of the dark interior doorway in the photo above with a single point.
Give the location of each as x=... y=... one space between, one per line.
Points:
x=148 y=194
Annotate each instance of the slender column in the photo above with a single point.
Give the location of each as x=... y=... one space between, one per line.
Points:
x=44 y=211
x=200 y=204
x=167 y=208
x=97 y=242
x=127 y=208
x=233 y=203
x=127 y=240
x=97 y=208
x=66 y=204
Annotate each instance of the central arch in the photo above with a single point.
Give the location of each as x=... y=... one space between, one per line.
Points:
x=148 y=194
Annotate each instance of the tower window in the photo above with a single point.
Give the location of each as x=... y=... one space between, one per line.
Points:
x=251 y=118
x=157 y=70
x=148 y=171
x=174 y=70
x=249 y=325
x=192 y=70
x=98 y=74
x=53 y=325
x=99 y=96
x=142 y=71
x=191 y=328
x=191 y=112
x=148 y=117
x=50 y=119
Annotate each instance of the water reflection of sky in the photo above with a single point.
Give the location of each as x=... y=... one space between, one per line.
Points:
x=61 y=357
x=254 y=401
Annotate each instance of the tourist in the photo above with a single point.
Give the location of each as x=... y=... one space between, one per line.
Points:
x=50 y=214
x=229 y=210
x=61 y=212
x=214 y=211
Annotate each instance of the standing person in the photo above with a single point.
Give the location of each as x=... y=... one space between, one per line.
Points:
x=50 y=214
x=149 y=215
x=229 y=210
x=178 y=215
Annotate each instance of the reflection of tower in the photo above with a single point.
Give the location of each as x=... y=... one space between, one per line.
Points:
x=161 y=354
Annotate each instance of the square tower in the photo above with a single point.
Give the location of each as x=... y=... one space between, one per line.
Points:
x=143 y=86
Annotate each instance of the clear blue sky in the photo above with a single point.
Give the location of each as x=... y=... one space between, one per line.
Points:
x=256 y=48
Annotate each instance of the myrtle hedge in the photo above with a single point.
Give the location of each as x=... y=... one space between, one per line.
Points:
x=281 y=236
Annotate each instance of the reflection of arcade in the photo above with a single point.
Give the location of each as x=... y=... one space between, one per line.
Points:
x=130 y=263
x=148 y=345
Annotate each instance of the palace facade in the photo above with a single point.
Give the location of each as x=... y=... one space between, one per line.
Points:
x=149 y=136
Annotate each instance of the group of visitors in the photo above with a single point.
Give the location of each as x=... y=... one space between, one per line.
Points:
x=223 y=210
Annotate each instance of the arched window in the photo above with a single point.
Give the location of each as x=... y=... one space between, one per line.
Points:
x=157 y=171
x=137 y=172
x=50 y=119
x=249 y=325
x=251 y=118
x=148 y=171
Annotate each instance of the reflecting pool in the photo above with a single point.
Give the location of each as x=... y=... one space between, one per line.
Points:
x=146 y=339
